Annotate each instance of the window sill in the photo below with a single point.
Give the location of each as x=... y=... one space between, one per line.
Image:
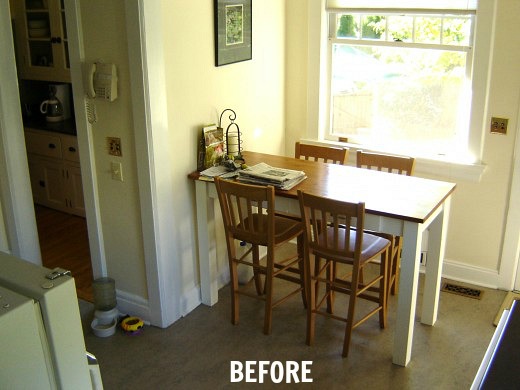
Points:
x=442 y=170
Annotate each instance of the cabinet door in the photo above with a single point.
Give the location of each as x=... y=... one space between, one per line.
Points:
x=53 y=174
x=43 y=144
x=37 y=180
x=42 y=40
x=74 y=190
x=69 y=145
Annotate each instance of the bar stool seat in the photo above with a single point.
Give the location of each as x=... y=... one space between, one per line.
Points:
x=328 y=236
x=249 y=215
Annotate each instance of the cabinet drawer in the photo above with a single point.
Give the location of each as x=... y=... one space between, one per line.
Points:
x=43 y=144
x=69 y=145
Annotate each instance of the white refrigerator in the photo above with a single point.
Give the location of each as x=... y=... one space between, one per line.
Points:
x=41 y=336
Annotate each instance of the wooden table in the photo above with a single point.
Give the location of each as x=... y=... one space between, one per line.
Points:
x=396 y=204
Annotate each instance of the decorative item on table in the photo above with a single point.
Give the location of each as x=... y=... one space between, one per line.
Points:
x=232 y=133
x=212 y=147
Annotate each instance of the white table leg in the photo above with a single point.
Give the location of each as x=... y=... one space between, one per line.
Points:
x=436 y=244
x=207 y=257
x=407 y=297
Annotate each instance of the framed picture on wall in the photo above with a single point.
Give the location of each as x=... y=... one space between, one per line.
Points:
x=233 y=32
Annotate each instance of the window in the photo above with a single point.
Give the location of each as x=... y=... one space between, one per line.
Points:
x=400 y=81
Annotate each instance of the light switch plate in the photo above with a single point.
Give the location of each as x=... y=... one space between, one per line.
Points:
x=117 y=171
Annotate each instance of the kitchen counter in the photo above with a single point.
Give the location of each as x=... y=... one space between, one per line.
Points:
x=67 y=126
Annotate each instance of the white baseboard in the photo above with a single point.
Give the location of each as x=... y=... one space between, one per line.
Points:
x=453 y=270
x=190 y=300
x=466 y=273
x=133 y=305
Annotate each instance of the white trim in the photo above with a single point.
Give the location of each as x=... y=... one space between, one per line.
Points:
x=482 y=56
x=404 y=4
x=133 y=304
x=20 y=235
x=149 y=106
x=509 y=270
x=85 y=140
x=470 y=274
x=407 y=45
x=401 y=11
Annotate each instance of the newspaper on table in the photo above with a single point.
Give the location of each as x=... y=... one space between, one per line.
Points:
x=265 y=174
x=218 y=170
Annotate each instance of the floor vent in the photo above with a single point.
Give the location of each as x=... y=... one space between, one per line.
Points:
x=464 y=291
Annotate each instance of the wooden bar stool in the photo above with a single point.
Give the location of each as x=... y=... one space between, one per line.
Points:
x=402 y=165
x=249 y=216
x=321 y=153
x=329 y=236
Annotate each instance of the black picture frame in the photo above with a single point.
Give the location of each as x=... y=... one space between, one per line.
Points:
x=233 y=31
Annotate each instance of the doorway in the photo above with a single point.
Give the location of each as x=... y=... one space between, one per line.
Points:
x=63 y=237
x=64 y=244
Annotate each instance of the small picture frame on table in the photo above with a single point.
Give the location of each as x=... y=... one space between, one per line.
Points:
x=233 y=31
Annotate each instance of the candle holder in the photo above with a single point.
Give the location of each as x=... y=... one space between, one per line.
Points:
x=233 y=141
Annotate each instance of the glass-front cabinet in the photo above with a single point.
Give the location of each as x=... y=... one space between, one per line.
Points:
x=42 y=42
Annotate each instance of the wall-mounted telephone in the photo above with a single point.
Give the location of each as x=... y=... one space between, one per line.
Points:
x=102 y=81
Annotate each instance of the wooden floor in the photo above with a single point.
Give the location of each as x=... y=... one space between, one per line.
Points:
x=64 y=244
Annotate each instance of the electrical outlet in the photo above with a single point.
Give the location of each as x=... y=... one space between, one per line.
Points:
x=114 y=146
x=499 y=125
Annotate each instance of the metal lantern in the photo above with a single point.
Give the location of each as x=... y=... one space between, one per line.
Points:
x=233 y=141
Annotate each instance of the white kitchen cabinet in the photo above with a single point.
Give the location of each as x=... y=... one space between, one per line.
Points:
x=41 y=40
x=55 y=171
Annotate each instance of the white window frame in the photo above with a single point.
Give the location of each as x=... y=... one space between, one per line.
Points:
x=360 y=41
x=318 y=117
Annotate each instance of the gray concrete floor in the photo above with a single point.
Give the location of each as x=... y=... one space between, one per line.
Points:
x=195 y=352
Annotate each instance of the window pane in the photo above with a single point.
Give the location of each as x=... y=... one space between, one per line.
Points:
x=401 y=98
x=374 y=27
x=347 y=26
x=456 y=31
x=428 y=30
x=400 y=28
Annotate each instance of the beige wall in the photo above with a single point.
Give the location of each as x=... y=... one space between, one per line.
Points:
x=197 y=92
x=478 y=209
x=104 y=29
x=296 y=70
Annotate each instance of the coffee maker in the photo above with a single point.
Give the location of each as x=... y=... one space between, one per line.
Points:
x=57 y=107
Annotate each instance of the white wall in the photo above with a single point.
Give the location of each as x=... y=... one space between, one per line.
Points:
x=478 y=210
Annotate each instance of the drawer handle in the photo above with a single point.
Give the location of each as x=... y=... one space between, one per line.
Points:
x=42 y=183
x=52 y=146
x=72 y=149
